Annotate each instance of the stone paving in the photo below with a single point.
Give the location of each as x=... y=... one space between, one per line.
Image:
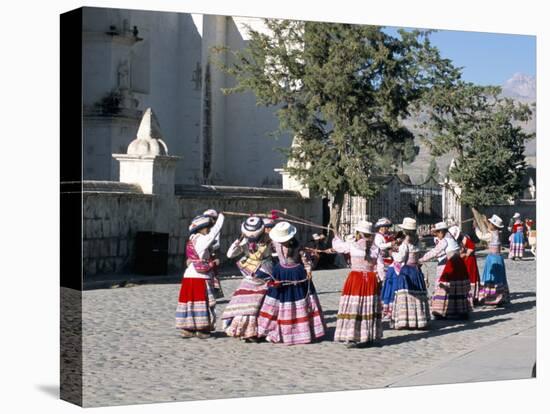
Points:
x=133 y=354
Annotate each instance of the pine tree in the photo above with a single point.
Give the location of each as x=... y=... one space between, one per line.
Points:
x=342 y=90
x=484 y=131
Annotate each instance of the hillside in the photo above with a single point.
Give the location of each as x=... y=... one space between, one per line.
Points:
x=519 y=87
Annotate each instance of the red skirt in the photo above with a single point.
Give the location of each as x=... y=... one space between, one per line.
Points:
x=196 y=305
x=471 y=267
x=455 y=270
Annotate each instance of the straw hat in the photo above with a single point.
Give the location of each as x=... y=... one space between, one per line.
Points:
x=497 y=221
x=364 y=227
x=282 y=232
x=441 y=226
x=408 y=224
x=253 y=227
x=383 y=222
x=199 y=222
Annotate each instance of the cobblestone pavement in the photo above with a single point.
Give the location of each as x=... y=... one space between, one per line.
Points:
x=133 y=354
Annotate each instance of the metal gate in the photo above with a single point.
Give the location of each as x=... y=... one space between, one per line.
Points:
x=398 y=199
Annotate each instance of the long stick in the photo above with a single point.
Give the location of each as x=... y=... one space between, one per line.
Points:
x=310 y=224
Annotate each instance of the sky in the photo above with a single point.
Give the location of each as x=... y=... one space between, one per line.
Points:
x=487 y=58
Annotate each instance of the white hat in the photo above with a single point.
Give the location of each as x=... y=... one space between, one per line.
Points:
x=455 y=231
x=516 y=215
x=282 y=232
x=316 y=236
x=350 y=237
x=199 y=222
x=364 y=227
x=497 y=221
x=441 y=226
x=252 y=227
x=408 y=224
x=383 y=222
x=452 y=245
x=211 y=213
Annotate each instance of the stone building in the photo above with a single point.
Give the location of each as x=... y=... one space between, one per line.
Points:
x=134 y=59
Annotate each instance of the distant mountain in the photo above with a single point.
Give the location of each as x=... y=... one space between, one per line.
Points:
x=519 y=87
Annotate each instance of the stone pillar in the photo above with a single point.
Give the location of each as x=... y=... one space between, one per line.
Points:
x=148 y=164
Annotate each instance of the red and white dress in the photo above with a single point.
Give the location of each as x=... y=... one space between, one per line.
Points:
x=196 y=304
x=359 y=318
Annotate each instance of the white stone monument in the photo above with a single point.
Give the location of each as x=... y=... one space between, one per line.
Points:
x=147 y=162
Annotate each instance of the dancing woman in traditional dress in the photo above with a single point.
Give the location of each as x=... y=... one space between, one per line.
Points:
x=493 y=285
x=195 y=314
x=410 y=308
x=452 y=285
x=468 y=248
x=214 y=247
x=359 y=320
x=291 y=312
x=240 y=317
x=384 y=268
x=517 y=238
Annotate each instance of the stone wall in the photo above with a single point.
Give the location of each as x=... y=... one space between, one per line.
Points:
x=112 y=218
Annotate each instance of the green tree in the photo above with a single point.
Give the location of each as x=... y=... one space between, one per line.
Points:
x=484 y=133
x=342 y=90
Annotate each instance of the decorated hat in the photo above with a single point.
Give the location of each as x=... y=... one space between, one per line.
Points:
x=252 y=227
x=454 y=231
x=383 y=222
x=441 y=226
x=364 y=227
x=408 y=224
x=282 y=232
x=199 y=222
x=497 y=221
x=268 y=223
x=516 y=215
x=211 y=213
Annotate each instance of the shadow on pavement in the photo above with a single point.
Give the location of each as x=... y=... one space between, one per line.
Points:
x=434 y=331
x=512 y=307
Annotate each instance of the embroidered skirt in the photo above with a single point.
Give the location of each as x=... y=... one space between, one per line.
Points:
x=411 y=308
x=291 y=313
x=196 y=305
x=451 y=292
x=494 y=285
x=360 y=310
x=240 y=317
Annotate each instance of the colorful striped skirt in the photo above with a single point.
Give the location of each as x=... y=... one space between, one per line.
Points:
x=452 y=289
x=291 y=313
x=494 y=285
x=516 y=245
x=388 y=292
x=240 y=317
x=359 y=317
x=196 y=305
x=411 y=308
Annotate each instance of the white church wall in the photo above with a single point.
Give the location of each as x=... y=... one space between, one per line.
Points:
x=251 y=153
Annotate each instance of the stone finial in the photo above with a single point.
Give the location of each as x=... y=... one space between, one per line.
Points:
x=149 y=138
